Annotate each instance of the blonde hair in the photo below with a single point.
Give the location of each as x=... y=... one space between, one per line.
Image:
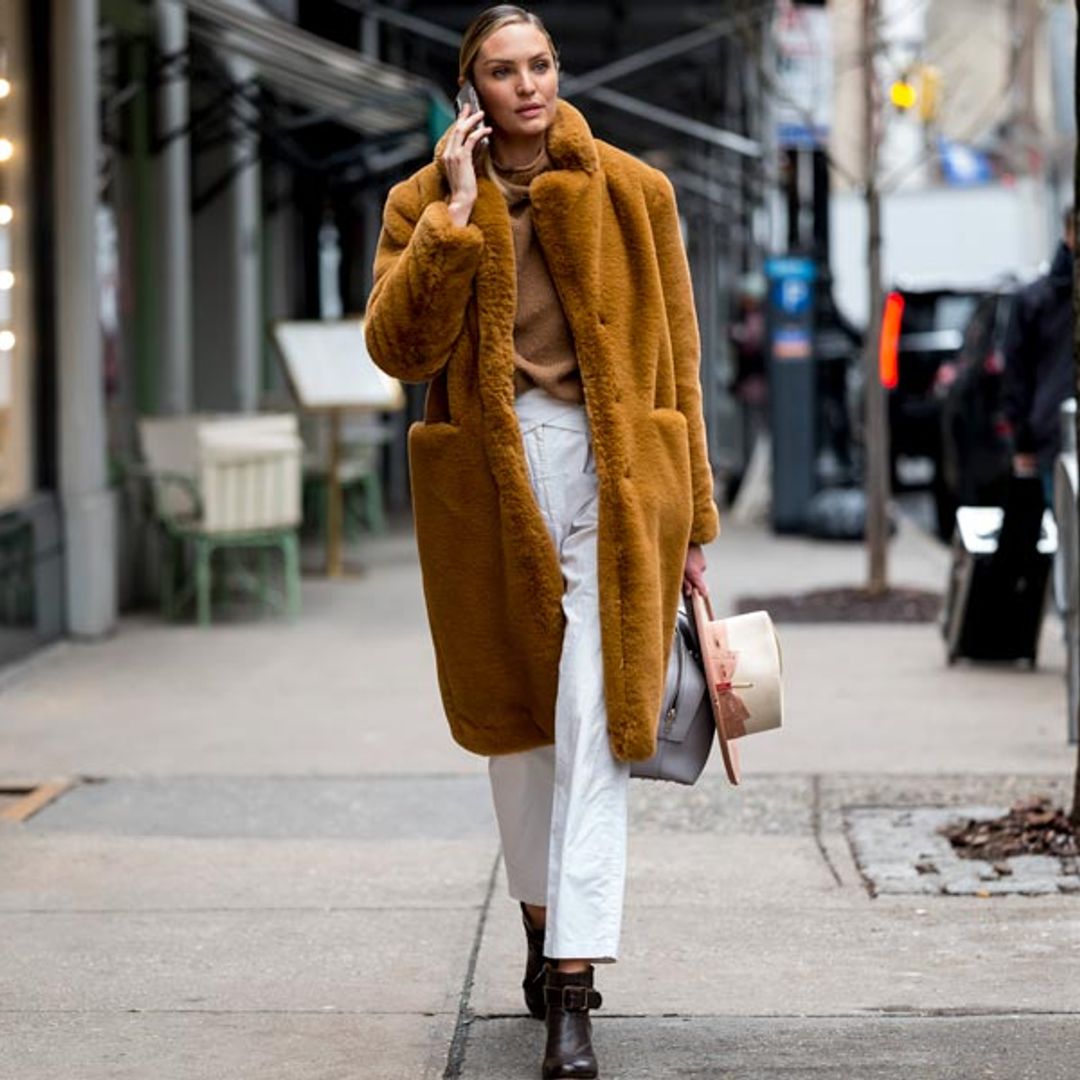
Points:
x=476 y=33
x=487 y=23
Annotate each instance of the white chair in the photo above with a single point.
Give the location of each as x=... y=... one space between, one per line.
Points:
x=223 y=482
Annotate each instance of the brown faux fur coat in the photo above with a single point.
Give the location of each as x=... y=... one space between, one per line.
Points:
x=442 y=309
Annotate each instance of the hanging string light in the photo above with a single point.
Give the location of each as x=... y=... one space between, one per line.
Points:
x=7 y=276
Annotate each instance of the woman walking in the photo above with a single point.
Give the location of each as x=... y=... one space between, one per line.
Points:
x=535 y=277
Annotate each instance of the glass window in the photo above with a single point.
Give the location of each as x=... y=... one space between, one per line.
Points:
x=15 y=384
x=20 y=624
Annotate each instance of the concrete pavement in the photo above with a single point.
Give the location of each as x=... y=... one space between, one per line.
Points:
x=280 y=866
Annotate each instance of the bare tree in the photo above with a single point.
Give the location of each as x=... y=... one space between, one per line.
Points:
x=877 y=415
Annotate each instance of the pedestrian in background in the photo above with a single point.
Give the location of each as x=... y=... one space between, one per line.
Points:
x=535 y=277
x=1039 y=367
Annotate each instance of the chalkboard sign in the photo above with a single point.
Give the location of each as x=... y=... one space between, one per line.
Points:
x=329 y=367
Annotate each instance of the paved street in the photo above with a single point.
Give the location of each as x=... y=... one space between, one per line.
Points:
x=277 y=865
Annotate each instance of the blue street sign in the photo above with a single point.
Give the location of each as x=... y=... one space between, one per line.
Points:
x=790 y=280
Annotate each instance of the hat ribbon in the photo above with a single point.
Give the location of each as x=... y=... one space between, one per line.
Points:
x=731 y=709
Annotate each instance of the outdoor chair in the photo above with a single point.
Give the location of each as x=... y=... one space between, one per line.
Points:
x=361 y=486
x=222 y=483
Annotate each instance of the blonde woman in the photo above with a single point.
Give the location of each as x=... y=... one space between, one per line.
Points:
x=535 y=277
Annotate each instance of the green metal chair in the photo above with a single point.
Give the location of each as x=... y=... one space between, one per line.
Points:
x=361 y=490
x=361 y=486
x=186 y=582
x=246 y=471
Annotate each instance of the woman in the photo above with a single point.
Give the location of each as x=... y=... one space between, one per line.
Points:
x=561 y=487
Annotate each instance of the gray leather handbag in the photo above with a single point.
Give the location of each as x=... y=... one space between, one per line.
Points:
x=687 y=726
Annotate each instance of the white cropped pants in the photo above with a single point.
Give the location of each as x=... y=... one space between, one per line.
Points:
x=562 y=809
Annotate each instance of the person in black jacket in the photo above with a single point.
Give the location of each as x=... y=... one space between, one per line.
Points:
x=1039 y=372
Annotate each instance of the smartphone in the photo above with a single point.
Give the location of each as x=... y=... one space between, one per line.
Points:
x=467 y=95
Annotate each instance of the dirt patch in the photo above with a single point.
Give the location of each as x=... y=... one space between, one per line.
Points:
x=898 y=605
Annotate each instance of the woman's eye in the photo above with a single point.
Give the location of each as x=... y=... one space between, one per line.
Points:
x=499 y=72
x=540 y=65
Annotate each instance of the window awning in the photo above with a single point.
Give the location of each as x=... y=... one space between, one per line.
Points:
x=366 y=95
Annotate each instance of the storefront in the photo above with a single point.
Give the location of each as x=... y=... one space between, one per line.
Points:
x=30 y=548
x=156 y=160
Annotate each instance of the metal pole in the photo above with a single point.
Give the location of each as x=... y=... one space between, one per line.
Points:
x=174 y=193
x=371 y=201
x=335 y=513
x=707 y=133
x=87 y=502
x=1074 y=812
x=145 y=236
x=369 y=36
x=245 y=198
x=655 y=54
x=877 y=415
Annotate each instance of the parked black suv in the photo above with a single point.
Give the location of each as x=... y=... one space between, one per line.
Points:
x=922 y=334
x=976 y=448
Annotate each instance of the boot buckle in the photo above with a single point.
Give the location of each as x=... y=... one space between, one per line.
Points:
x=573 y=998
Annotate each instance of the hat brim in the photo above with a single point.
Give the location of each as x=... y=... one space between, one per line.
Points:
x=728 y=750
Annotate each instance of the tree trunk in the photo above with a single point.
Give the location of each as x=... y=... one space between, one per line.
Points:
x=876 y=424
x=1074 y=814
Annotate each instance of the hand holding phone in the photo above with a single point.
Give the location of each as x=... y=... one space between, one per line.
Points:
x=468 y=134
x=467 y=95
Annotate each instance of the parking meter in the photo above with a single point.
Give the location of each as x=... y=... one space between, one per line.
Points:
x=790 y=323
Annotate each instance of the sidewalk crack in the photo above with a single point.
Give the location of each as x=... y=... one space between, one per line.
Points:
x=455 y=1059
x=815 y=812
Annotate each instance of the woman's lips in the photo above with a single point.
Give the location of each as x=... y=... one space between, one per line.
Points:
x=530 y=110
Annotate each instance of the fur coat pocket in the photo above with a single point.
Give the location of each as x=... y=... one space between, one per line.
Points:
x=462 y=562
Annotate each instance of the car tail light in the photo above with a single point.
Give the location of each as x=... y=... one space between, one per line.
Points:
x=994 y=364
x=889 y=348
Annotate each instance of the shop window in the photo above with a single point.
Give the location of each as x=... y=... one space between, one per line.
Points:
x=14 y=382
x=20 y=519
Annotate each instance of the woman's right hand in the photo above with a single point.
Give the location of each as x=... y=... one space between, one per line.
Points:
x=458 y=160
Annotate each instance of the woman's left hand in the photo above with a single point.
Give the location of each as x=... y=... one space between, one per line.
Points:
x=694 y=572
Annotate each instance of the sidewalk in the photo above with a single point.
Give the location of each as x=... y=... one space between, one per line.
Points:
x=280 y=866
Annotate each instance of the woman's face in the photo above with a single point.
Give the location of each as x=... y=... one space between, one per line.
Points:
x=517 y=81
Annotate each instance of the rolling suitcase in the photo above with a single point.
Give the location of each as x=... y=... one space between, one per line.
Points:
x=999 y=578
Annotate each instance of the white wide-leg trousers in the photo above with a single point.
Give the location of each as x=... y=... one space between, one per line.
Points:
x=562 y=809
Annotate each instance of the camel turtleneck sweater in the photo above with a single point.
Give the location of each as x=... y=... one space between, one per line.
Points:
x=544 y=353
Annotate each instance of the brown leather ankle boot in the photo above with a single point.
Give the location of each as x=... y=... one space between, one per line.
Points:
x=570 y=996
x=533 y=983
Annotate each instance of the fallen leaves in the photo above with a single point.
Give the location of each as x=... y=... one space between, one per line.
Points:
x=1031 y=827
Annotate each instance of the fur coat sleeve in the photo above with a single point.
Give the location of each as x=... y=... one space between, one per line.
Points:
x=424 y=269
